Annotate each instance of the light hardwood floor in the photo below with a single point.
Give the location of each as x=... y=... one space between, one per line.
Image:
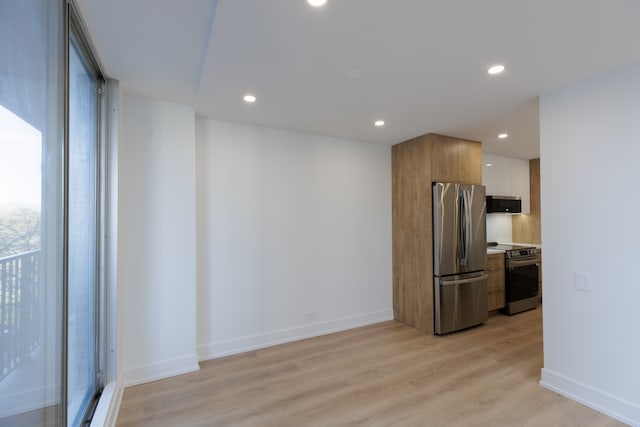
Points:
x=380 y=375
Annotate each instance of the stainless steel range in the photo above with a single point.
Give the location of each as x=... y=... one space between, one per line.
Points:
x=521 y=278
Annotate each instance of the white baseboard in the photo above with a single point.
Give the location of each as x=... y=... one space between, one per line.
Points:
x=160 y=370
x=240 y=345
x=619 y=409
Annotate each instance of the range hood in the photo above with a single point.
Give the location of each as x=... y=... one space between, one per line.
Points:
x=504 y=204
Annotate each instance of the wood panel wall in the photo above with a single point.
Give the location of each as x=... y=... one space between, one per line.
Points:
x=412 y=244
x=526 y=228
x=415 y=165
x=469 y=162
x=444 y=158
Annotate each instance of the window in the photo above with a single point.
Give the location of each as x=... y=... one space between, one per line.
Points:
x=51 y=188
x=83 y=363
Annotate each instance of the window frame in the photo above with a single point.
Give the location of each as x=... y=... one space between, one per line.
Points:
x=75 y=28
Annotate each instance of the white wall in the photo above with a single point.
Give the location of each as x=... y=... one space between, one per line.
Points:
x=590 y=135
x=294 y=236
x=156 y=241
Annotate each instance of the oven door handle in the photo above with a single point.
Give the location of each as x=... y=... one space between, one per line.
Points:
x=512 y=263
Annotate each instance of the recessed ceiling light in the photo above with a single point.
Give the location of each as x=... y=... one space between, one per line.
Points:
x=489 y=164
x=379 y=123
x=496 y=69
x=317 y=3
x=249 y=98
x=503 y=135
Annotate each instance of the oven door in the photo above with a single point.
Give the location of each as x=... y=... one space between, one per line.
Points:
x=521 y=285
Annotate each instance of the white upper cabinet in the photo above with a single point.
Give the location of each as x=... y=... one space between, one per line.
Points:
x=507 y=177
x=496 y=175
x=520 y=183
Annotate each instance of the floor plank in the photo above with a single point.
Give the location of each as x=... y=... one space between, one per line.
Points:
x=379 y=375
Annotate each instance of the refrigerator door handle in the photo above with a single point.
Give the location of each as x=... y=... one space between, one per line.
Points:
x=462 y=224
x=463 y=281
x=468 y=232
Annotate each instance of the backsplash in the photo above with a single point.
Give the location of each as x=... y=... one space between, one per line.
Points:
x=499 y=228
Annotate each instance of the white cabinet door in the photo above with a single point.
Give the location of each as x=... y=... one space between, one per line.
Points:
x=504 y=176
x=520 y=183
x=496 y=172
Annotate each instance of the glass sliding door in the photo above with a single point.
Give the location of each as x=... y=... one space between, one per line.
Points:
x=31 y=194
x=82 y=236
x=50 y=189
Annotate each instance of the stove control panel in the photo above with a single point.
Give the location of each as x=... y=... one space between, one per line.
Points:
x=525 y=252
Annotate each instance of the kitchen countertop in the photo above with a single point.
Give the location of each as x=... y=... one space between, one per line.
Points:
x=498 y=251
x=535 y=245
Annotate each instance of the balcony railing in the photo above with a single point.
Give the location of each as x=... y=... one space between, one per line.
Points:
x=19 y=309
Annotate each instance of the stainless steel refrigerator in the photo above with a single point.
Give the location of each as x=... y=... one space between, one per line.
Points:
x=459 y=256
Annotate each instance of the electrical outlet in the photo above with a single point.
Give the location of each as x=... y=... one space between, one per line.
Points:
x=583 y=281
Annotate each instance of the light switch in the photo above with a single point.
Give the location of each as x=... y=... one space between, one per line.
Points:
x=583 y=281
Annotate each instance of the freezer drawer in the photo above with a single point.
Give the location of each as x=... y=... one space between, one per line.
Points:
x=460 y=302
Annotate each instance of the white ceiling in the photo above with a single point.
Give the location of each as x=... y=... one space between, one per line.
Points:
x=424 y=61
